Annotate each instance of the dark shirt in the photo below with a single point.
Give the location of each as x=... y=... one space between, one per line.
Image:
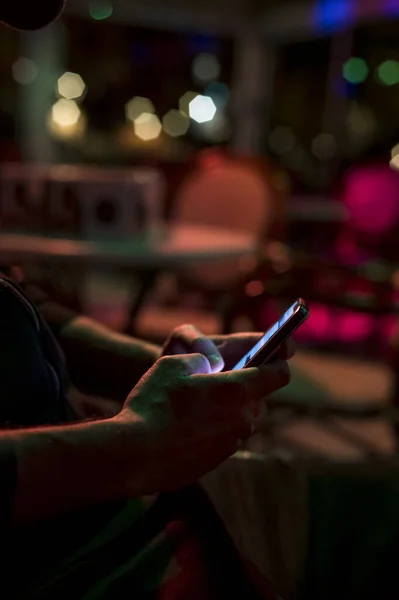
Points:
x=33 y=383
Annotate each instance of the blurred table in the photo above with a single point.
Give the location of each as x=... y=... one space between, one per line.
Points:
x=313 y=497
x=317 y=529
x=171 y=247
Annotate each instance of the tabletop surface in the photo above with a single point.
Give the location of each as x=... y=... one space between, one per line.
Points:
x=170 y=245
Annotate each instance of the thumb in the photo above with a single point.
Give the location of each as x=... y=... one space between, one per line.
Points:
x=183 y=365
x=188 y=339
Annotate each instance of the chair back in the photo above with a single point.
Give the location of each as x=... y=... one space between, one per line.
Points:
x=371 y=197
x=226 y=194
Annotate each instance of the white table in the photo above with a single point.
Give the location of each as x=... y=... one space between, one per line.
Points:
x=171 y=247
x=174 y=246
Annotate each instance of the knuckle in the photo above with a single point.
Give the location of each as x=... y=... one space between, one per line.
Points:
x=170 y=362
x=183 y=330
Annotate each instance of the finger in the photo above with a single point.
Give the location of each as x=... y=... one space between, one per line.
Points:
x=188 y=339
x=172 y=367
x=233 y=347
x=240 y=388
x=286 y=350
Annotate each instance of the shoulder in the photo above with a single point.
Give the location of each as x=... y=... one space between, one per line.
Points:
x=15 y=310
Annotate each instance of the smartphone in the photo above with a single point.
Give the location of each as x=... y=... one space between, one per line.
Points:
x=268 y=345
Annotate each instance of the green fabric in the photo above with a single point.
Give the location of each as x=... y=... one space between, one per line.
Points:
x=148 y=569
x=103 y=559
x=354 y=534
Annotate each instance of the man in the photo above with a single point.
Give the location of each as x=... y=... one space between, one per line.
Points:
x=89 y=509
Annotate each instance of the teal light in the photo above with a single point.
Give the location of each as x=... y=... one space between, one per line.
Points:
x=355 y=70
x=100 y=9
x=388 y=72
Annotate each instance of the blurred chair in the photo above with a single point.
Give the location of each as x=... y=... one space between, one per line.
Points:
x=224 y=192
x=103 y=203
x=351 y=306
x=371 y=196
x=77 y=201
x=22 y=190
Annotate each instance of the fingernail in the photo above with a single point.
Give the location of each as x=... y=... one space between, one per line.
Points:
x=215 y=360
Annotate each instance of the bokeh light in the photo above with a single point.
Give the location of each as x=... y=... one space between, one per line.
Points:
x=65 y=112
x=370 y=195
x=355 y=70
x=361 y=128
x=219 y=92
x=100 y=9
x=66 y=121
x=71 y=86
x=184 y=102
x=206 y=67
x=330 y=15
x=388 y=72
x=72 y=132
x=281 y=140
x=147 y=127
x=24 y=71
x=394 y=164
x=137 y=106
x=175 y=123
x=296 y=159
x=324 y=146
x=202 y=109
x=216 y=130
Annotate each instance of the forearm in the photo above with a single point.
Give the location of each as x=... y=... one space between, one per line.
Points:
x=103 y=362
x=66 y=468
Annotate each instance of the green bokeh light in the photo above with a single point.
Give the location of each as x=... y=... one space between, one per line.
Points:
x=388 y=72
x=355 y=70
x=100 y=9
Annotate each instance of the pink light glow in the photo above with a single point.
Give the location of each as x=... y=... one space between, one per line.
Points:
x=354 y=327
x=372 y=198
x=318 y=326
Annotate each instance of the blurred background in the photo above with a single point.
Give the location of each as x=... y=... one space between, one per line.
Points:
x=208 y=162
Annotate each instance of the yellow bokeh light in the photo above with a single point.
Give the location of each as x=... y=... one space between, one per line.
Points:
x=175 y=123
x=184 y=102
x=65 y=112
x=202 y=109
x=394 y=163
x=138 y=106
x=147 y=127
x=71 y=86
x=72 y=131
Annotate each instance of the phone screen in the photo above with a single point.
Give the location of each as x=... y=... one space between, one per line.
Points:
x=265 y=338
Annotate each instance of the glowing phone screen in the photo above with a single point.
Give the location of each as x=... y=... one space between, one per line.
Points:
x=265 y=338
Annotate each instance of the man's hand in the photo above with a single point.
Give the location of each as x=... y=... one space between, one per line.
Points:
x=222 y=351
x=179 y=422
x=188 y=419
